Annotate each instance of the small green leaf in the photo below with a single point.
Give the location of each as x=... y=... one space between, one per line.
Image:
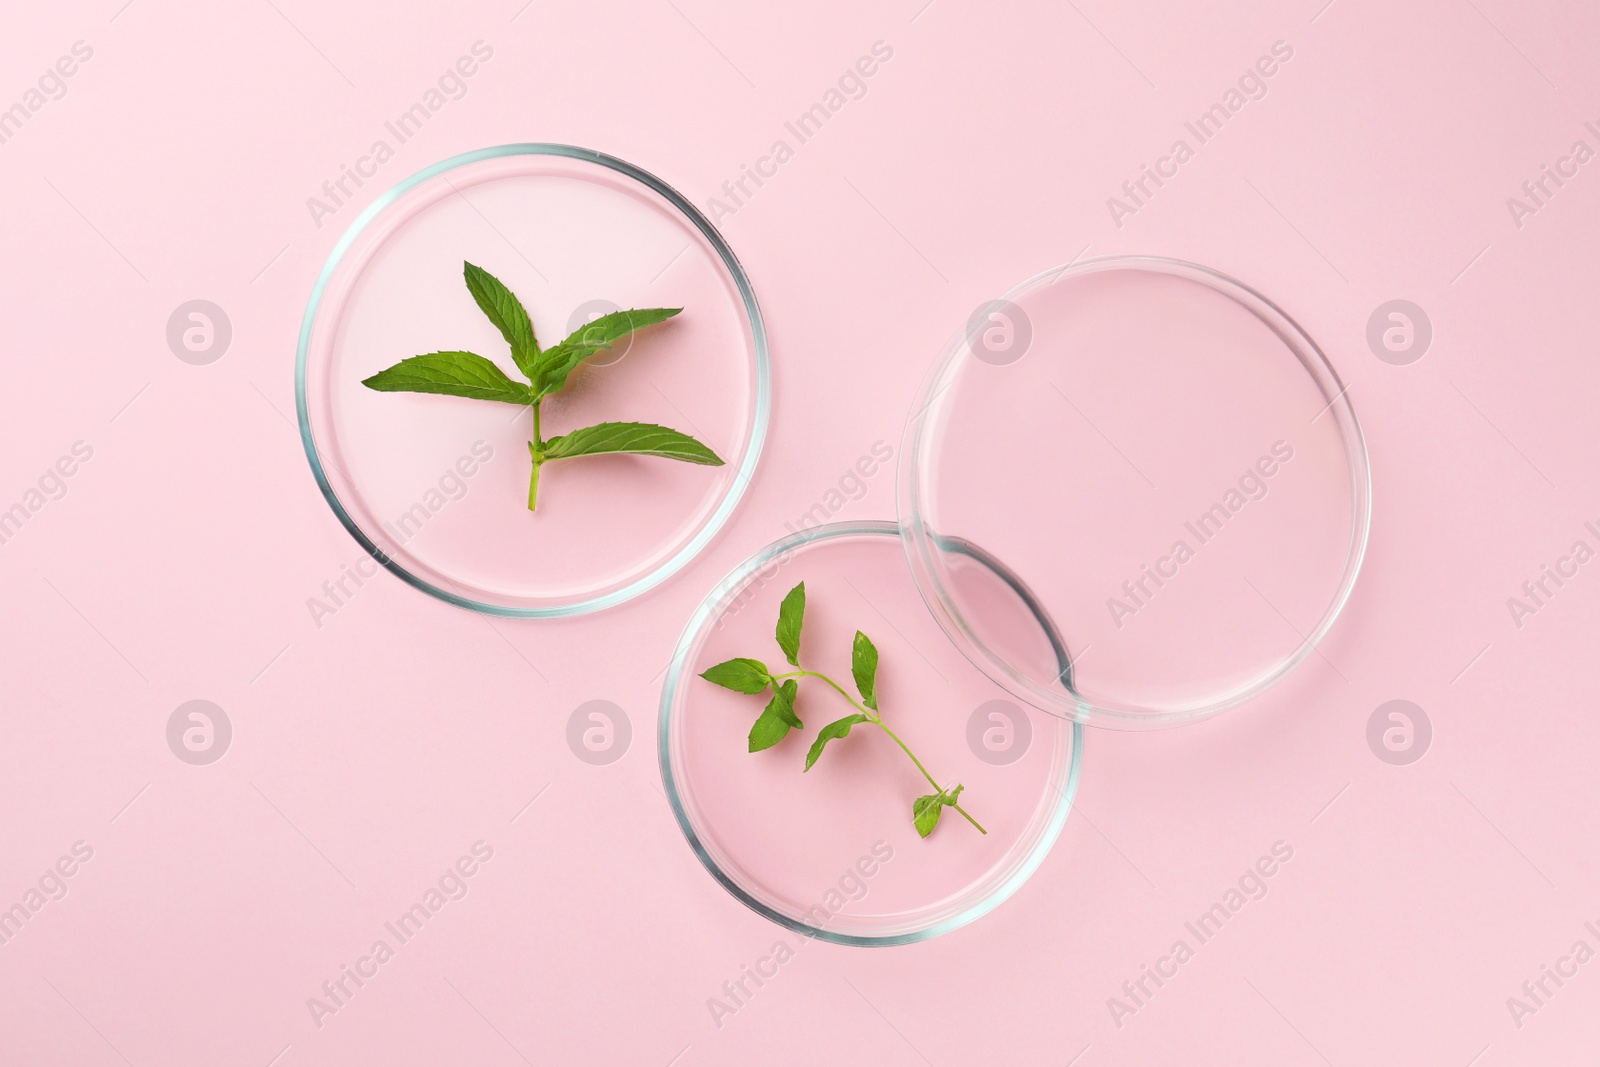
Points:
x=925 y=812
x=633 y=438
x=791 y=614
x=864 y=665
x=507 y=313
x=453 y=374
x=831 y=732
x=776 y=721
x=741 y=675
x=560 y=360
x=951 y=795
x=768 y=730
x=783 y=698
x=607 y=328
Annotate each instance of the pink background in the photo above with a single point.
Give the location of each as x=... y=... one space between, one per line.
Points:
x=371 y=752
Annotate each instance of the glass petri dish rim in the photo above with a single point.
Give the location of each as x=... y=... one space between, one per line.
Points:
x=758 y=426
x=689 y=643
x=921 y=542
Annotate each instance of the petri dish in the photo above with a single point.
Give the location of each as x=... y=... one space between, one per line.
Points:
x=1166 y=460
x=831 y=853
x=436 y=487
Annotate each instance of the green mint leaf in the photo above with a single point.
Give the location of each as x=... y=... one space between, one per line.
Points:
x=951 y=795
x=560 y=360
x=776 y=721
x=741 y=675
x=507 y=313
x=925 y=812
x=768 y=730
x=453 y=374
x=832 y=732
x=864 y=665
x=607 y=328
x=783 y=699
x=634 y=438
x=791 y=614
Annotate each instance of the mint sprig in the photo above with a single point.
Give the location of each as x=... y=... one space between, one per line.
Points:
x=753 y=677
x=469 y=375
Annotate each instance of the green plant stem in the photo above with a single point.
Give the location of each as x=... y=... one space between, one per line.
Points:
x=537 y=448
x=877 y=720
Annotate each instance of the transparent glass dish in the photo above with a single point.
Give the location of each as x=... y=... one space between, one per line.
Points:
x=1166 y=460
x=831 y=853
x=436 y=487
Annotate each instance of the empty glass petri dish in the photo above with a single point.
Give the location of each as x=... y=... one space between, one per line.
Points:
x=832 y=853
x=435 y=487
x=1170 y=465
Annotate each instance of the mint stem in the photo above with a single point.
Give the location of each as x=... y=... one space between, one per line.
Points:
x=896 y=739
x=536 y=447
x=877 y=720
